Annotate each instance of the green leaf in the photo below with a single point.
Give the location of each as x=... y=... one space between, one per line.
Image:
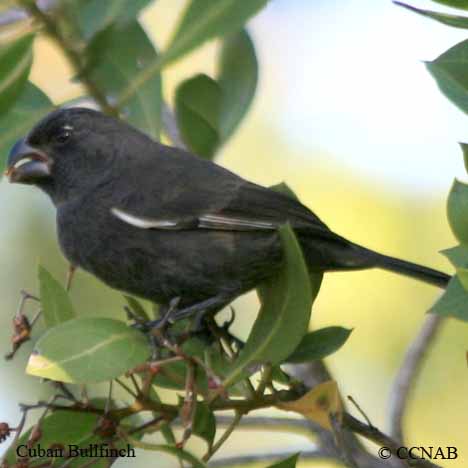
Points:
x=319 y=344
x=55 y=302
x=15 y=64
x=457 y=211
x=204 y=423
x=137 y=308
x=461 y=4
x=238 y=77
x=315 y=278
x=458 y=255
x=284 y=188
x=444 y=18
x=198 y=102
x=287 y=463
x=462 y=274
x=31 y=106
x=205 y=19
x=87 y=349
x=464 y=148
x=454 y=301
x=449 y=71
x=96 y=15
x=56 y=429
x=286 y=305
x=201 y=21
x=116 y=55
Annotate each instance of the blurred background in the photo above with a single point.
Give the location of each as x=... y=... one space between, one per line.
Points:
x=347 y=115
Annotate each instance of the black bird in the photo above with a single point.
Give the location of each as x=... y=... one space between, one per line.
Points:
x=163 y=224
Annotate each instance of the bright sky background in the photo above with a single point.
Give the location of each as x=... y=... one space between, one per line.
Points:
x=358 y=88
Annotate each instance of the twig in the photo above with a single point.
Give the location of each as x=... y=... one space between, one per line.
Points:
x=74 y=57
x=361 y=411
x=381 y=439
x=109 y=398
x=212 y=450
x=19 y=430
x=312 y=374
x=16 y=15
x=152 y=424
x=127 y=388
x=170 y=127
x=135 y=384
x=266 y=457
x=409 y=372
x=139 y=80
x=346 y=452
x=264 y=423
x=66 y=393
x=55 y=407
x=69 y=279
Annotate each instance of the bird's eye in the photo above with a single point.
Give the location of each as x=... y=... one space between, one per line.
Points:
x=63 y=136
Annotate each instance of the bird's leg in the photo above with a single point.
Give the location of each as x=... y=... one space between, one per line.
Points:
x=198 y=310
x=165 y=310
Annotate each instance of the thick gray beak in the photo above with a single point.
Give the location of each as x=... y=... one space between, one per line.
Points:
x=26 y=164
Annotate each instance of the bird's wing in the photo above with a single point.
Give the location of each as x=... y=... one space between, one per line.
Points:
x=197 y=194
x=241 y=214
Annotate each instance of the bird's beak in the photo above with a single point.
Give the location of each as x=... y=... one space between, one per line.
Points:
x=27 y=164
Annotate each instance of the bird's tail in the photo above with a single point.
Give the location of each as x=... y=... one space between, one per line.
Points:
x=428 y=275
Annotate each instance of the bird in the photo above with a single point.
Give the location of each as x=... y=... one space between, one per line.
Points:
x=161 y=223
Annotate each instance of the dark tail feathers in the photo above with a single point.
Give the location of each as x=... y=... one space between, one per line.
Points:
x=428 y=275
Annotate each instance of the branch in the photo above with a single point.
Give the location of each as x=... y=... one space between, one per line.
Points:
x=212 y=450
x=381 y=439
x=299 y=426
x=315 y=373
x=16 y=15
x=349 y=423
x=170 y=126
x=139 y=80
x=73 y=56
x=266 y=457
x=409 y=371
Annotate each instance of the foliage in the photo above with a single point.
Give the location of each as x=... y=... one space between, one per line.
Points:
x=120 y=69
x=210 y=371
x=450 y=70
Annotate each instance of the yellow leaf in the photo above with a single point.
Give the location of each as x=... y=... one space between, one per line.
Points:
x=318 y=404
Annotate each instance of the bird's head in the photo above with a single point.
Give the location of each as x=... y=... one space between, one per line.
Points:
x=66 y=152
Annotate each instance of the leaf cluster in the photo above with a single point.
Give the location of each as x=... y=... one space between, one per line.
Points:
x=121 y=70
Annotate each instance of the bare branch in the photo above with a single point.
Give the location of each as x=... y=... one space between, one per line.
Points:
x=266 y=457
x=382 y=440
x=16 y=15
x=312 y=374
x=73 y=56
x=170 y=126
x=409 y=371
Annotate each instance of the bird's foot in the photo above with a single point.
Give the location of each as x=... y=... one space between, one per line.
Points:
x=166 y=311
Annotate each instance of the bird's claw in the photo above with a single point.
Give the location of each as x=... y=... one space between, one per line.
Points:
x=162 y=322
